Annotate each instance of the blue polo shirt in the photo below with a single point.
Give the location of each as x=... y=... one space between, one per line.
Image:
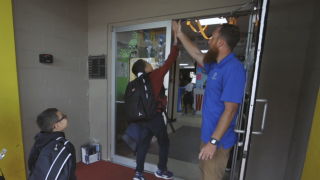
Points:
x=226 y=82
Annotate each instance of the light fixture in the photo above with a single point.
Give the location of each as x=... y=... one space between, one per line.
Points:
x=206 y=22
x=189 y=67
x=204 y=51
x=183 y=64
x=211 y=21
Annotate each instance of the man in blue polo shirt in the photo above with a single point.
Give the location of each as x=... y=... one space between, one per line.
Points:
x=223 y=95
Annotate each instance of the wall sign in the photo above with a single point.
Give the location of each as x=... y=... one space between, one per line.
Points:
x=97 y=67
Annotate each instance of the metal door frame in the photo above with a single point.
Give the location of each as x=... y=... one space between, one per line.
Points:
x=167 y=24
x=248 y=129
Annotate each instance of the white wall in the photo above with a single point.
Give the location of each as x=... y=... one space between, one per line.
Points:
x=59 y=28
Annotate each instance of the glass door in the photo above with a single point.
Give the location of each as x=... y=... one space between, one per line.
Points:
x=256 y=34
x=150 y=42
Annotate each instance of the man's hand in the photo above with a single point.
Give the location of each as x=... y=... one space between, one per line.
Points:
x=207 y=151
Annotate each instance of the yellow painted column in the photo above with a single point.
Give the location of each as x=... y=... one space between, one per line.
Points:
x=311 y=168
x=12 y=165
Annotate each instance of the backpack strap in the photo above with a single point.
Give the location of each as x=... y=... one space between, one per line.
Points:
x=59 y=161
x=161 y=96
x=166 y=114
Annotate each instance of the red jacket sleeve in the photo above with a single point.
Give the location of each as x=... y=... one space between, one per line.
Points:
x=162 y=71
x=157 y=75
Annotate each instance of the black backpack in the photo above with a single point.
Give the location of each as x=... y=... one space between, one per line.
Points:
x=140 y=104
x=54 y=162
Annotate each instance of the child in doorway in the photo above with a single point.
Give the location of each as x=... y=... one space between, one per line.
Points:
x=155 y=126
x=188 y=98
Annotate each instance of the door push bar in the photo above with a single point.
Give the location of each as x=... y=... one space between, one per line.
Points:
x=265 y=101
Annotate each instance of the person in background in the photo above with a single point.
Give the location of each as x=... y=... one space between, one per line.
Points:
x=223 y=94
x=188 y=98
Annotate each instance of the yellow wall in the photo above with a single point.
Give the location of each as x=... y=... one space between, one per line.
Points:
x=12 y=164
x=312 y=164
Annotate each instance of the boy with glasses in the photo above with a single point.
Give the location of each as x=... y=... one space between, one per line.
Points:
x=52 y=123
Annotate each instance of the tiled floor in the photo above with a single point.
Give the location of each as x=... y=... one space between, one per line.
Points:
x=182 y=169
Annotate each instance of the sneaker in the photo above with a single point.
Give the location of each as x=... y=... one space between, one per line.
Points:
x=184 y=114
x=194 y=112
x=164 y=175
x=139 y=176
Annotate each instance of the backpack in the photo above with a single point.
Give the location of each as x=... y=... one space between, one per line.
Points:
x=140 y=104
x=54 y=162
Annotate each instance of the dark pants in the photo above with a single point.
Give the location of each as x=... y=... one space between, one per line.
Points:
x=188 y=101
x=188 y=98
x=154 y=127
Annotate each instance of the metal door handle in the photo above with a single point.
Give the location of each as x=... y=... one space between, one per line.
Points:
x=265 y=101
x=239 y=130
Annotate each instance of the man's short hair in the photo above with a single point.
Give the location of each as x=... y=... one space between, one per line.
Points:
x=231 y=34
x=139 y=66
x=47 y=119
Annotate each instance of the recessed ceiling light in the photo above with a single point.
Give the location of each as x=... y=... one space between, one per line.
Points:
x=212 y=21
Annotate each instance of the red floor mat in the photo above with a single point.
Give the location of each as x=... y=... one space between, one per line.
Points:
x=104 y=170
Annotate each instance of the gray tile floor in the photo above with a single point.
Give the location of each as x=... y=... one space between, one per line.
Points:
x=181 y=169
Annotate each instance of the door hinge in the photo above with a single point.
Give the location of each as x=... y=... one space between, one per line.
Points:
x=112 y=29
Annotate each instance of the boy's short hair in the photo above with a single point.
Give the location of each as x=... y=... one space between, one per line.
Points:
x=139 y=66
x=47 y=119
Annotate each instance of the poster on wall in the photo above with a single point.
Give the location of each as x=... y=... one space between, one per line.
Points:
x=152 y=61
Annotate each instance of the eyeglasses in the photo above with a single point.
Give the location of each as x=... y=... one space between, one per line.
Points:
x=64 y=116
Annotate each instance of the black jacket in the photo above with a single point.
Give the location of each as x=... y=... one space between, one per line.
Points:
x=41 y=140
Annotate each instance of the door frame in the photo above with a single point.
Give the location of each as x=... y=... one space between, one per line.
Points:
x=160 y=24
x=258 y=56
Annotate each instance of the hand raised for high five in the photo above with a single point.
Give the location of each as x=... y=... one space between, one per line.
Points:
x=176 y=27
x=175 y=30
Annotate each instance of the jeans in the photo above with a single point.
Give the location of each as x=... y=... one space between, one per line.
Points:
x=154 y=127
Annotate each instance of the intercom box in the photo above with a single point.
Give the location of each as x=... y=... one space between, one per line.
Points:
x=46 y=58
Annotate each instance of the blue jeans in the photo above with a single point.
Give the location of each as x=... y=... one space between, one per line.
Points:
x=153 y=127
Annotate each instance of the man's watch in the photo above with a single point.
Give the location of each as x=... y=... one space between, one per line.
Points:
x=214 y=141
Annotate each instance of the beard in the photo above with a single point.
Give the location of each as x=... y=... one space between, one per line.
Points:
x=211 y=55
